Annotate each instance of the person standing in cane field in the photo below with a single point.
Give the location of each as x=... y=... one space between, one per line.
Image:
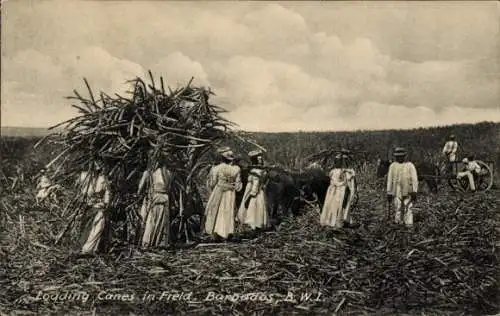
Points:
x=155 y=212
x=340 y=194
x=450 y=149
x=402 y=187
x=253 y=210
x=224 y=179
x=450 y=153
x=95 y=190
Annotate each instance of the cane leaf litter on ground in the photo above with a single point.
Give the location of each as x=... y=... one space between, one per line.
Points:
x=446 y=264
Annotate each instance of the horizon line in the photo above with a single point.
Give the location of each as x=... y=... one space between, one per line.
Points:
x=307 y=131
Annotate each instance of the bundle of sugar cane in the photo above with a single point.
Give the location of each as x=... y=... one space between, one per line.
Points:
x=120 y=131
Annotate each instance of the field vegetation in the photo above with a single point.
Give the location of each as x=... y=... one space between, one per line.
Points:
x=447 y=265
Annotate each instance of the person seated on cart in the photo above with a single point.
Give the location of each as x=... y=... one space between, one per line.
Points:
x=471 y=171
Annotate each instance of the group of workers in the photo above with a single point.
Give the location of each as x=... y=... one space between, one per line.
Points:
x=221 y=212
x=224 y=180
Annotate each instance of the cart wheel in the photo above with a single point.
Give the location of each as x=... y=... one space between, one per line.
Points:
x=459 y=185
x=483 y=181
x=485 y=177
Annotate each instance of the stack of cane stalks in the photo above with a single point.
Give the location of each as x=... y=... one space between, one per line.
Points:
x=119 y=132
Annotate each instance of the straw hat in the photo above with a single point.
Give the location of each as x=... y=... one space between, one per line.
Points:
x=340 y=156
x=345 y=151
x=255 y=153
x=226 y=152
x=399 y=151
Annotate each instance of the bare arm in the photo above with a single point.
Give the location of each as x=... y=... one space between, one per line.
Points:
x=238 y=185
x=107 y=195
x=454 y=148
x=142 y=182
x=254 y=182
x=445 y=148
x=351 y=183
x=212 y=179
x=390 y=176
x=414 y=177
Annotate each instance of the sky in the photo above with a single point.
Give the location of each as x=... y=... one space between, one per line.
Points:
x=275 y=66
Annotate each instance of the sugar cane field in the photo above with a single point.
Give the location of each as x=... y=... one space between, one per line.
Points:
x=446 y=265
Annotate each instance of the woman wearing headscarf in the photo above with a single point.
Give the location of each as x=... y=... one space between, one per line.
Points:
x=224 y=179
x=155 y=213
x=95 y=190
x=253 y=210
x=340 y=194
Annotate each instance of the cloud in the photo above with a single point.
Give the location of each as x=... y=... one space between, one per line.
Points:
x=400 y=116
x=104 y=71
x=35 y=83
x=178 y=69
x=254 y=81
x=369 y=116
x=21 y=108
x=302 y=66
x=441 y=84
x=34 y=71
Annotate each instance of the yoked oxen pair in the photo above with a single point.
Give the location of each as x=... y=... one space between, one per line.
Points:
x=426 y=171
x=287 y=192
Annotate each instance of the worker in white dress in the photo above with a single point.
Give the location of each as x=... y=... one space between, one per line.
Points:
x=155 y=211
x=340 y=195
x=253 y=209
x=95 y=189
x=223 y=181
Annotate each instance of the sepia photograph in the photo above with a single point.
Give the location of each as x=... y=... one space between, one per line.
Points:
x=250 y=158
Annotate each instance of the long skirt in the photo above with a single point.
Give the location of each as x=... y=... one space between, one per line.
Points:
x=95 y=236
x=156 y=222
x=220 y=212
x=403 y=207
x=256 y=215
x=336 y=207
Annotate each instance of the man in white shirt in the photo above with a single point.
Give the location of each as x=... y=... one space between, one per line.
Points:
x=471 y=168
x=402 y=186
x=450 y=149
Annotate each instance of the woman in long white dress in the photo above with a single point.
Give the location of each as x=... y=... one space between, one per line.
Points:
x=253 y=209
x=155 y=213
x=96 y=192
x=223 y=181
x=340 y=195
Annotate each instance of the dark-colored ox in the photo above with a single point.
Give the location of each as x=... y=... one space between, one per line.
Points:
x=426 y=171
